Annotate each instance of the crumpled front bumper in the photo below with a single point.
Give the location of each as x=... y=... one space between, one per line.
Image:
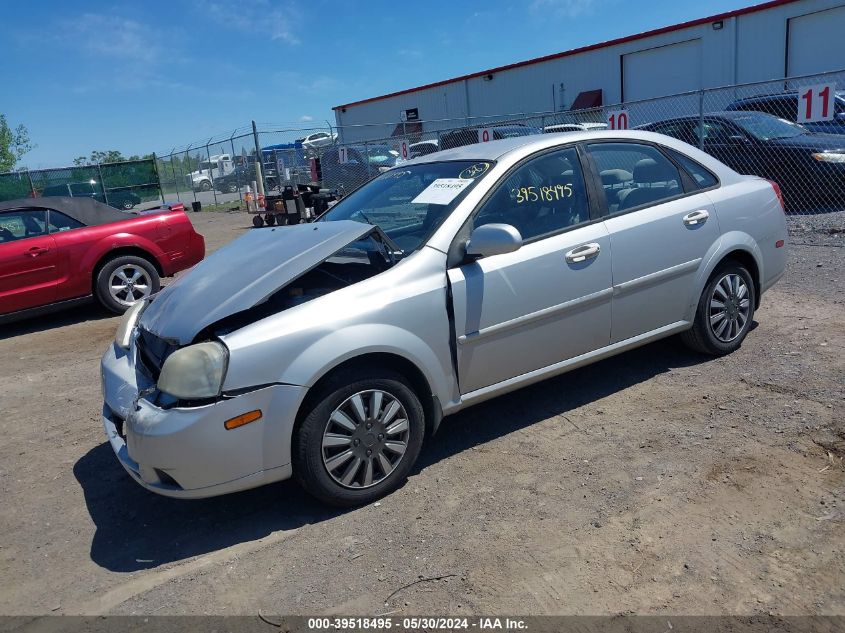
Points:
x=187 y=452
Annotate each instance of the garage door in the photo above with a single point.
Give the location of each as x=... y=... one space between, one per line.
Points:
x=661 y=71
x=815 y=42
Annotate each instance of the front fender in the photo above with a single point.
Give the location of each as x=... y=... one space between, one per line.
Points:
x=336 y=347
x=729 y=242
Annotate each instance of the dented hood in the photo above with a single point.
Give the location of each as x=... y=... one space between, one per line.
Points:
x=242 y=274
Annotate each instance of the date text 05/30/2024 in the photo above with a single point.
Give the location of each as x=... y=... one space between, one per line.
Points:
x=416 y=624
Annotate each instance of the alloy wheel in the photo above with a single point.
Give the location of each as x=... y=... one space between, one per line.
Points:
x=729 y=307
x=365 y=439
x=128 y=284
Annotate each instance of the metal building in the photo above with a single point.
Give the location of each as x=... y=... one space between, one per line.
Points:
x=773 y=40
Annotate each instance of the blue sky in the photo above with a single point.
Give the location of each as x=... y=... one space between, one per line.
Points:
x=148 y=76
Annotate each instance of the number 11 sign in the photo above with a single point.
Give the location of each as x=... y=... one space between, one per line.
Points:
x=815 y=103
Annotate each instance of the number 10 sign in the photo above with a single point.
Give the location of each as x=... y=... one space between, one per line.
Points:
x=617 y=120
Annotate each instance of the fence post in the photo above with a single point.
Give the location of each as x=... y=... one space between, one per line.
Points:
x=31 y=186
x=102 y=184
x=158 y=177
x=238 y=176
x=367 y=159
x=210 y=176
x=191 y=184
x=258 y=157
x=701 y=120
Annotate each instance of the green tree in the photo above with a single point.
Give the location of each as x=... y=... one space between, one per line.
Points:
x=13 y=144
x=109 y=156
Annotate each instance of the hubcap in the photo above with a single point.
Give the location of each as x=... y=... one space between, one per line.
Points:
x=729 y=308
x=365 y=439
x=129 y=284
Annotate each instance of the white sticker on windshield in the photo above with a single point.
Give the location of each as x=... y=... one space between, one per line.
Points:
x=442 y=191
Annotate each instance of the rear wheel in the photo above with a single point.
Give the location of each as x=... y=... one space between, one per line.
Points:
x=125 y=280
x=360 y=439
x=724 y=312
x=205 y=185
x=232 y=188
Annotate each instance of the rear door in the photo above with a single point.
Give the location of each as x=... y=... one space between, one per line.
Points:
x=546 y=302
x=28 y=260
x=661 y=226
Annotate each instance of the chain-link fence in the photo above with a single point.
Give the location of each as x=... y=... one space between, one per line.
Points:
x=123 y=185
x=221 y=170
x=750 y=127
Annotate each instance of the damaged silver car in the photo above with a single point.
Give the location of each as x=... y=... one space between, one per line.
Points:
x=329 y=351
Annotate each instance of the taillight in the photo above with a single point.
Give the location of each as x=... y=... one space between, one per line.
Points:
x=779 y=194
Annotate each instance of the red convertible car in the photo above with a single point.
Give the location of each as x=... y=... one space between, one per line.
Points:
x=57 y=251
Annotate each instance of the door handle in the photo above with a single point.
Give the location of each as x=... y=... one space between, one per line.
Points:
x=696 y=217
x=583 y=253
x=35 y=251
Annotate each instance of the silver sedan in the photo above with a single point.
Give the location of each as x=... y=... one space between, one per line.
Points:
x=329 y=351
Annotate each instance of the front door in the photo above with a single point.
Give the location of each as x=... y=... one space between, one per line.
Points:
x=548 y=301
x=28 y=261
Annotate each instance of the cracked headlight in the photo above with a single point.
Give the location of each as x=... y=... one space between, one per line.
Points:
x=123 y=336
x=194 y=372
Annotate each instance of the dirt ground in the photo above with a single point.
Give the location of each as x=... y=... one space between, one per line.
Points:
x=655 y=482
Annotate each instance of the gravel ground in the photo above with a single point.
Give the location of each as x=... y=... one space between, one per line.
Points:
x=654 y=482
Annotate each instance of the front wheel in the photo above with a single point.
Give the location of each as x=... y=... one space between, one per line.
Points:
x=125 y=280
x=724 y=313
x=360 y=439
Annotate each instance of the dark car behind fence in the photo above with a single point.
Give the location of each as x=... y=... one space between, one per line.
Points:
x=122 y=185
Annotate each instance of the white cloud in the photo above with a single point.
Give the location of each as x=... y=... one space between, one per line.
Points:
x=114 y=37
x=278 y=20
x=305 y=118
x=562 y=8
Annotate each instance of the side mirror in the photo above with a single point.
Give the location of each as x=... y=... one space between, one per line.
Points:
x=493 y=239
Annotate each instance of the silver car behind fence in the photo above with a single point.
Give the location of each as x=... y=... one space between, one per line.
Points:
x=448 y=280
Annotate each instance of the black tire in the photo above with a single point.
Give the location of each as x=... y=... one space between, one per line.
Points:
x=232 y=188
x=205 y=185
x=102 y=282
x=128 y=205
x=270 y=219
x=702 y=336
x=309 y=468
x=257 y=221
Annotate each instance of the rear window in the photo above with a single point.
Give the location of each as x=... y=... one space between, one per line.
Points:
x=702 y=176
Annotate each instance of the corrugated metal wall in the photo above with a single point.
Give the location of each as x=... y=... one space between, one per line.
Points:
x=751 y=47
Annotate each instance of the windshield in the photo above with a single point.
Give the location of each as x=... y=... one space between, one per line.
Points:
x=408 y=204
x=764 y=127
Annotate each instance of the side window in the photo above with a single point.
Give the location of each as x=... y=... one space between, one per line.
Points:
x=544 y=195
x=701 y=174
x=81 y=189
x=653 y=177
x=716 y=132
x=681 y=130
x=19 y=225
x=60 y=222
